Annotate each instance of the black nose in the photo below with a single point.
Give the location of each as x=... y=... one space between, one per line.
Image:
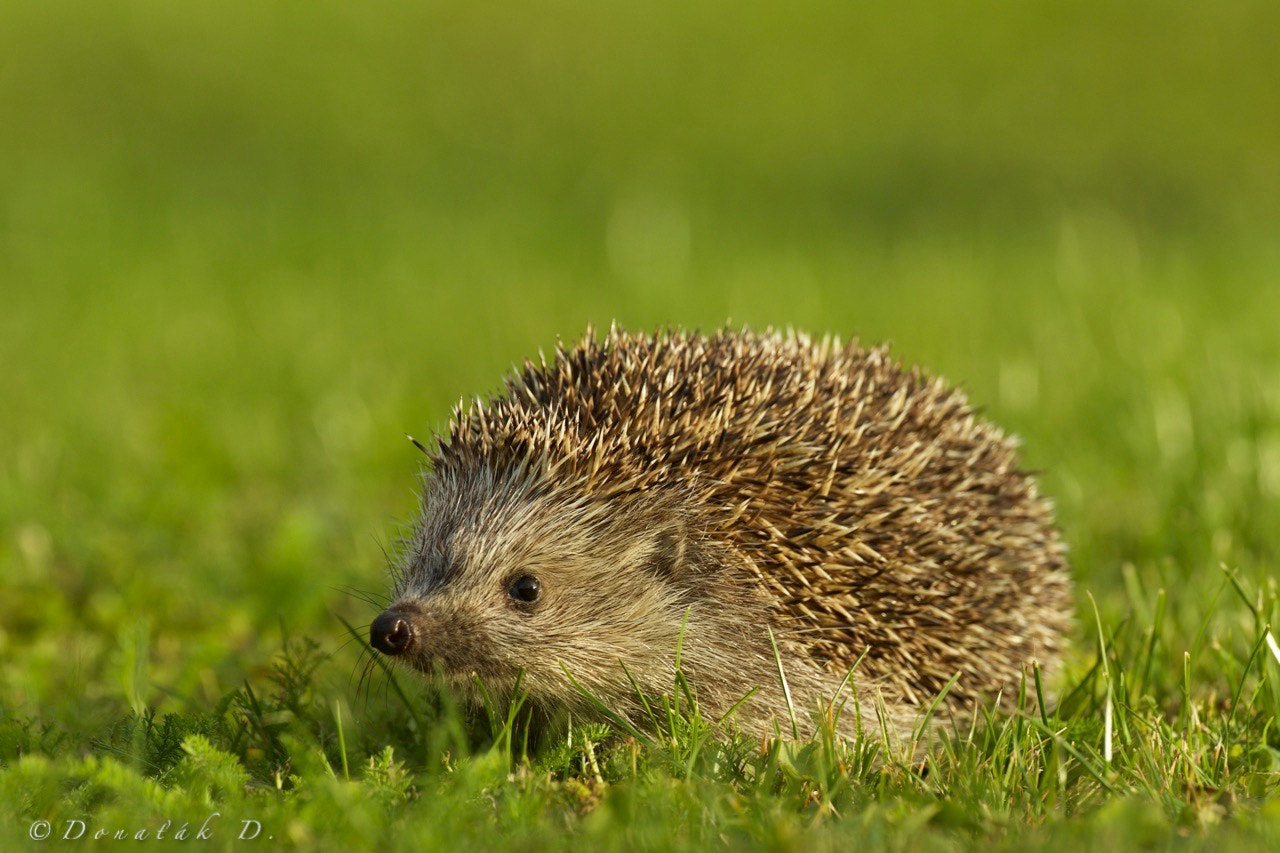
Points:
x=390 y=633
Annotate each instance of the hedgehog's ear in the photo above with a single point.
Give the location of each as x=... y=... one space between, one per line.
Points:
x=668 y=559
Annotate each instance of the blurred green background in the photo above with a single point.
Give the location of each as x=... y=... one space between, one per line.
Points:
x=245 y=246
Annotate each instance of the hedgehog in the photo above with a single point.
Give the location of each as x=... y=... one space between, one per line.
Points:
x=804 y=528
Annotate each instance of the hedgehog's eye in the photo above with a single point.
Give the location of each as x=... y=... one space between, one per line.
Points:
x=525 y=588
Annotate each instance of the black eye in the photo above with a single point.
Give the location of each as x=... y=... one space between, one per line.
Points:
x=525 y=588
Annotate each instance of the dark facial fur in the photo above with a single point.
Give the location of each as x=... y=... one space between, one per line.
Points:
x=508 y=577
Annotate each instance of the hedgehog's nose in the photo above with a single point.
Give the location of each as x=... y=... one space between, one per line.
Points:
x=390 y=633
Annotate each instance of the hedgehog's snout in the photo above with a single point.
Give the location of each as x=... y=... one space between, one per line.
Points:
x=391 y=633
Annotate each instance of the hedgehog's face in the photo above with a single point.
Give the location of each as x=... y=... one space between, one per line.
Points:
x=502 y=581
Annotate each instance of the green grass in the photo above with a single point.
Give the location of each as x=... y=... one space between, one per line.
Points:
x=243 y=251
